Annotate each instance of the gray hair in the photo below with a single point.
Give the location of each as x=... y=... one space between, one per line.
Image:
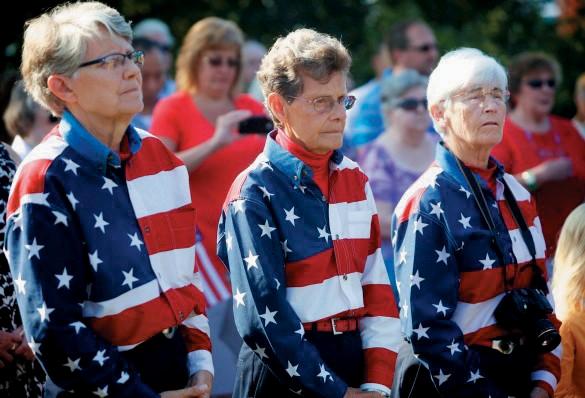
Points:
x=394 y=87
x=56 y=42
x=153 y=28
x=301 y=52
x=461 y=69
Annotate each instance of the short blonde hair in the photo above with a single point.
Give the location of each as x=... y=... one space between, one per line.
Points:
x=303 y=52
x=210 y=33
x=55 y=43
x=568 y=282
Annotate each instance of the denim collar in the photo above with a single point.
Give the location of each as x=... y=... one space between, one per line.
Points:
x=90 y=147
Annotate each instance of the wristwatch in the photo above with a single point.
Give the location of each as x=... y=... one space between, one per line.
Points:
x=530 y=180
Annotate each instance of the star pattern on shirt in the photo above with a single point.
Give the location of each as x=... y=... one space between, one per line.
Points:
x=64 y=279
x=266 y=229
x=70 y=165
x=291 y=216
x=72 y=199
x=100 y=357
x=34 y=249
x=301 y=331
x=323 y=233
x=465 y=191
x=266 y=165
x=416 y=279
x=402 y=259
x=72 y=365
x=94 y=260
x=487 y=262
x=129 y=278
x=261 y=352
x=45 y=312
x=464 y=221
x=285 y=248
x=421 y=332
x=441 y=377
x=454 y=347
x=124 y=377
x=265 y=193
x=109 y=185
x=443 y=255
x=441 y=308
x=101 y=392
x=239 y=298
x=419 y=226
x=300 y=187
x=436 y=209
x=324 y=374
x=292 y=370
x=251 y=260
x=20 y=283
x=268 y=317
x=474 y=376
x=77 y=325
x=277 y=283
x=34 y=346
x=238 y=206
x=135 y=241
x=60 y=218
x=100 y=222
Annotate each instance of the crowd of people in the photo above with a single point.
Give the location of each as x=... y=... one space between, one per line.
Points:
x=402 y=239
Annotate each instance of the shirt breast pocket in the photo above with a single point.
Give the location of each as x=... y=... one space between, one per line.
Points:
x=359 y=224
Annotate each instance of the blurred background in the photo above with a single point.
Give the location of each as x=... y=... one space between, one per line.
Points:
x=500 y=28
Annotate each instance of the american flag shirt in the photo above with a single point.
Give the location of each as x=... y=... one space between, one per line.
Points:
x=295 y=257
x=101 y=247
x=450 y=279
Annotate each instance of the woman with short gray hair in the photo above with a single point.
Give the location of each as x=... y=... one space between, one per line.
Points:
x=299 y=232
x=402 y=153
x=469 y=254
x=111 y=302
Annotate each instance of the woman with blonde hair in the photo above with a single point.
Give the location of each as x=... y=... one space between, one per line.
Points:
x=568 y=288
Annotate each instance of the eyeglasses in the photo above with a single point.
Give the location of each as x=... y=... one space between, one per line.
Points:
x=538 y=83
x=480 y=95
x=411 y=104
x=217 y=61
x=327 y=103
x=423 y=48
x=115 y=60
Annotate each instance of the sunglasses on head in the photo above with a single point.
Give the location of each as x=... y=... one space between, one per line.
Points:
x=411 y=104
x=538 y=83
x=217 y=61
x=424 y=48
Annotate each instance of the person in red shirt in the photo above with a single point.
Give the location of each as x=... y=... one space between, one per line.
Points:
x=543 y=151
x=199 y=123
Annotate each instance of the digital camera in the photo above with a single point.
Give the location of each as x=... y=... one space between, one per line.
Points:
x=527 y=310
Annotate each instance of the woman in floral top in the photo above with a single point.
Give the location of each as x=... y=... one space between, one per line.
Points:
x=20 y=376
x=399 y=155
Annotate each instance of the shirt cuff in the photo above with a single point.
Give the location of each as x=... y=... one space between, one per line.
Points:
x=199 y=360
x=375 y=387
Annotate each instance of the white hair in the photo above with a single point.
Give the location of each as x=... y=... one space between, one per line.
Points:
x=462 y=69
x=154 y=28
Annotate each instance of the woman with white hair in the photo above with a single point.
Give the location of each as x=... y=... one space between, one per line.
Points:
x=470 y=255
x=100 y=230
x=402 y=153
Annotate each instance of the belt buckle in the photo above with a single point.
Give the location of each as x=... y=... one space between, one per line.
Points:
x=335 y=332
x=504 y=346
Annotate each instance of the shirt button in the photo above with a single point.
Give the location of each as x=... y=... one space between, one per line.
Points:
x=337 y=236
x=323 y=198
x=344 y=277
x=147 y=229
x=181 y=316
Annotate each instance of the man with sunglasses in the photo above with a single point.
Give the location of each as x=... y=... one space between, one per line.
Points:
x=100 y=231
x=411 y=44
